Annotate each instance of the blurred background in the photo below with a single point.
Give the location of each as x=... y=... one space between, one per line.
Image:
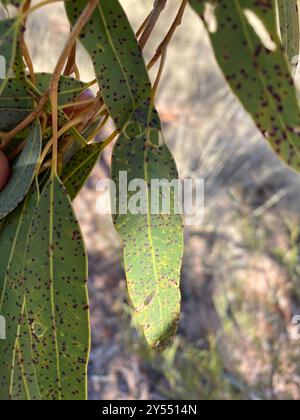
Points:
x=241 y=272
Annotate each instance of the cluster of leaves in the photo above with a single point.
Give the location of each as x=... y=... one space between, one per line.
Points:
x=48 y=123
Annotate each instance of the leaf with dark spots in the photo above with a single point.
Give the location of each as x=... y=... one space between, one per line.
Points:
x=13 y=239
x=56 y=297
x=152 y=253
x=23 y=171
x=25 y=386
x=79 y=167
x=9 y=118
x=248 y=49
x=16 y=103
x=116 y=56
x=9 y=30
x=153 y=243
x=289 y=28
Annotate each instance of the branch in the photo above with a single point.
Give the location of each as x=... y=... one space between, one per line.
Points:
x=71 y=63
x=158 y=7
x=164 y=44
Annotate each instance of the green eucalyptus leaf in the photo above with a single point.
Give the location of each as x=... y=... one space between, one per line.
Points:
x=16 y=103
x=13 y=239
x=10 y=118
x=23 y=171
x=56 y=297
x=9 y=30
x=153 y=243
x=116 y=56
x=79 y=167
x=248 y=49
x=68 y=88
x=289 y=27
x=126 y=90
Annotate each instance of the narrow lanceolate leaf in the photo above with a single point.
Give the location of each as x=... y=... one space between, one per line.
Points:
x=9 y=29
x=23 y=171
x=79 y=167
x=16 y=103
x=249 y=51
x=153 y=241
x=13 y=239
x=56 y=297
x=117 y=58
x=289 y=28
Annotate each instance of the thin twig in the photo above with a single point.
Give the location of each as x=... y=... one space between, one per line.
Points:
x=143 y=26
x=77 y=28
x=24 y=49
x=164 y=44
x=158 y=7
x=159 y=74
x=76 y=72
x=77 y=104
x=54 y=114
x=71 y=63
x=61 y=132
x=28 y=60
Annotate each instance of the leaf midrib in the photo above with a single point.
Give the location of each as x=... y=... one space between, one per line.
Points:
x=22 y=368
x=149 y=224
